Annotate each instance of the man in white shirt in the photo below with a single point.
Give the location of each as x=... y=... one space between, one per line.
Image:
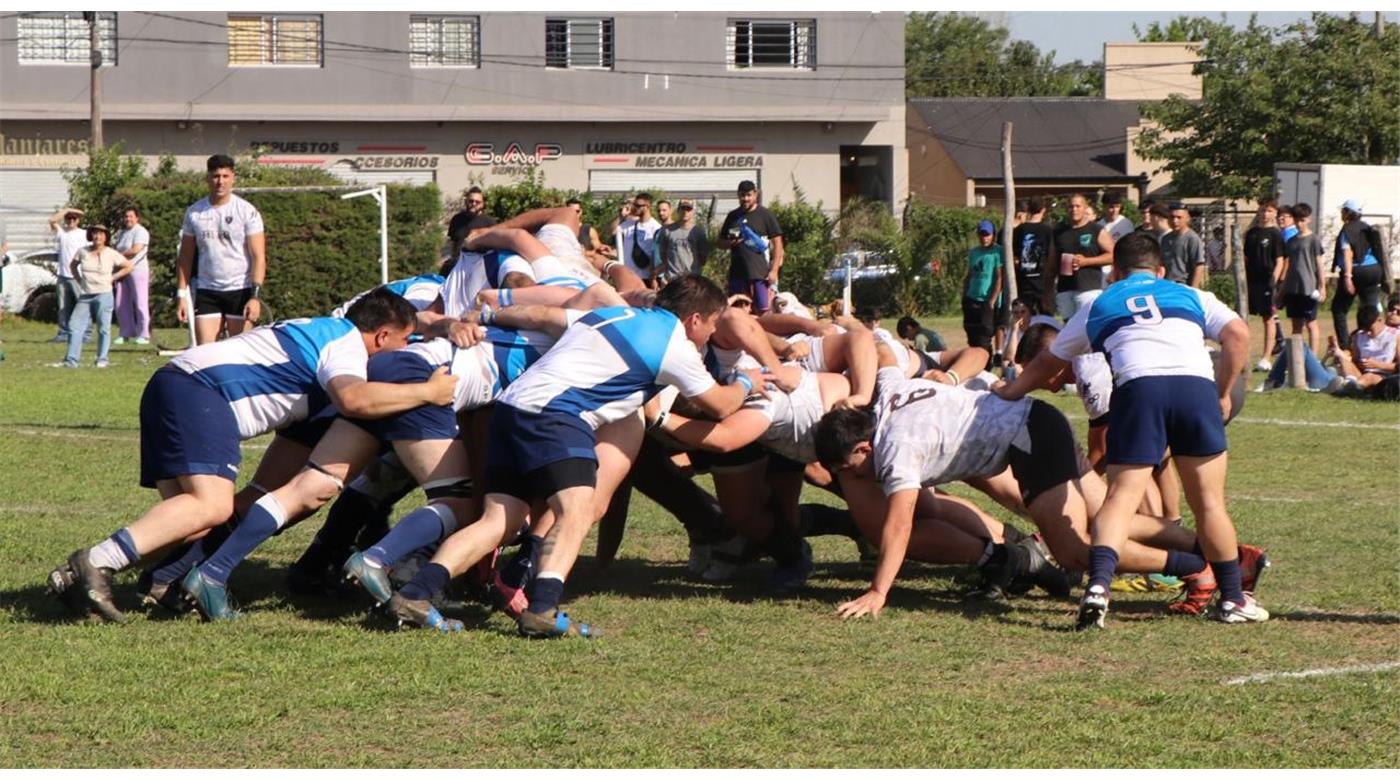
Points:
x=636 y=237
x=69 y=239
x=226 y=232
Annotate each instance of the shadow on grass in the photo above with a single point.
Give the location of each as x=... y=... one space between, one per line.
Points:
x=1313 y=616
x=90 y=427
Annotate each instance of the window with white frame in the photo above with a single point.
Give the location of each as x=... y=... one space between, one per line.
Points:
x=578 y=43
x=274 y=40
x=444 y=41
x=63 y=38
x=772 y=43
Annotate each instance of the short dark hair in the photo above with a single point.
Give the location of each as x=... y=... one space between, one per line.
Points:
x=1034 y=205
x=906 y=324
x=869 y=313
x=1159 y=210
x=381 y=307
x=838 y=432
x=1033 y=341
x=663 y=200
x=1137 y=251
x=646 y=196
x=1112 y=199
x=692 y=294
x=218 y=162
x=132 y=208
x=473 y=190
x=573 y=202
x=1268 y=203
x=1302 y=211
x=1366 y=316
x=1031 y=302
x=1022 y=204
x=1282 y=210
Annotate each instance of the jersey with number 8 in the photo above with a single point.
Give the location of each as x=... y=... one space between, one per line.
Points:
x=1147 y=327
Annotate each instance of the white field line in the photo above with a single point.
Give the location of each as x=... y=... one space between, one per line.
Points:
x=79 y=436
x=1323 y=672
x=1295 y=423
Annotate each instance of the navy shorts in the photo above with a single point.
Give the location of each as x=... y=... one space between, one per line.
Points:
x=1151 y=413
x=1300 y=307
x=521 y=448
x=1054 y=456
x=417 y=424
x=308 y=432
x=186 y=428
x=756 y=289
x=704 y=461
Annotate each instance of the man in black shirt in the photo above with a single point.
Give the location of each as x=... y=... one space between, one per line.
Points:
x=1263 y=270
x=472 y=216
x=1030 y=243
x=1081 y=250
x=755 y=243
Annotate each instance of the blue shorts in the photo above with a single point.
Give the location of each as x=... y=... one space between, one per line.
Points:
x=756 y=289
x=1151 y=413
x=417 y=424
x=186 y=428
x=522 y=445
x=308 y=432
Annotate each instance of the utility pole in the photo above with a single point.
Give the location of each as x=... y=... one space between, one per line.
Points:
x=1008 y=184
x=95 y=88
x=1380 y=24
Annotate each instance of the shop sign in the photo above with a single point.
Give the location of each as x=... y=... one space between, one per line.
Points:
x=296 y=147
x=31 y=152
x=397 y=162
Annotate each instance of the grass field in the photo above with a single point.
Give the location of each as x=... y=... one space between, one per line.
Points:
x=691 y=674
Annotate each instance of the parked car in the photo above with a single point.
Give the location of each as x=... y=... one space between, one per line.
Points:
x=29 y=285
x=863 y=264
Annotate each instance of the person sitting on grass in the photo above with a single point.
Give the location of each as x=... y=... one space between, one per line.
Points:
x=917 y=336
x=1375 y=351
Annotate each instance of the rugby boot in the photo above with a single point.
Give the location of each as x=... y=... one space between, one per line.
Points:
x=554 y=624
x=420 y=613
x=94 y=586
x=374 y=579
x=1093 y=608
x=210 y=599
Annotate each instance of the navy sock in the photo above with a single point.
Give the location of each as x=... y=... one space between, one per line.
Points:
x=261 y=522
x=420 y=528
x=545 y=593
x=1180 y=564
x=1103 y=561
x=429 y=580
x=518 y=569
x=175 y=567
x=1227 y=578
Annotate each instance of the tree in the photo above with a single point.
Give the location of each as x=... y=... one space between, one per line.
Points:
x=960 y=55
x=1325 y=90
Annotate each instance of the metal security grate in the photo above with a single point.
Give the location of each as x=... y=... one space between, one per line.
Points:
x=444 y=41
x=578 y=43
x=61 y=38
x=772 y=43
x=274 y=40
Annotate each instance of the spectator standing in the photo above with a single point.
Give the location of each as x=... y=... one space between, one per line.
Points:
x=684 y=244
x=1263 y=268
x=1287 y=224
x=664 y=212
x=132 y=292
x=1030 y=244
x=1303 y=285
x=636 y=231
x=1083 y=248
x=226 y=233
x=755 y=242
x=1183 y=254
x=93 y=268
x=982 y=287
x=69 y=239
x=1114 y=222
x=1360 y=259
x=472 y=216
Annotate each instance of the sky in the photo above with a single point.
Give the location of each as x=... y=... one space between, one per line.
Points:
x=1080 y=35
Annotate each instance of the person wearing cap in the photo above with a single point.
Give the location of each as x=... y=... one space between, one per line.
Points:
x=982 y=286
x=69 y=239
x=93 y=269
x=684 y=245
x=755 y=242
x=1360 y=263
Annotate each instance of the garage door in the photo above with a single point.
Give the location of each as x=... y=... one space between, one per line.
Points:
x=701 y=185
x=27 y=198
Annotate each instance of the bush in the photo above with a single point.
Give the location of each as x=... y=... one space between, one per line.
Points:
x=321 y=250
x=938 y=239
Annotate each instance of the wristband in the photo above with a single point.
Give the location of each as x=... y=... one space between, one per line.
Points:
x=256 y=292
x=183 y=293
x=488 y=315
x=742 y=379
x=953 y=375
x=504 y=297
x=608 y=266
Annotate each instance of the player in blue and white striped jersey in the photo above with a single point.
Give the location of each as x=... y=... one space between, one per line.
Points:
x=196 y=410
x=547 y=429
x=1166 y=395
x=420 y=290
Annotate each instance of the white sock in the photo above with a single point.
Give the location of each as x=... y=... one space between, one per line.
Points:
x=108 y=555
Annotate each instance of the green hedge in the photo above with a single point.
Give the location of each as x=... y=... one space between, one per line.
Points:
x=321 y=250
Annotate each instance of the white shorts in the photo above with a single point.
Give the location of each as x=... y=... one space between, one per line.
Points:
x=564 y=246
x=816 y=358
x=793 y=419
x=550 y=271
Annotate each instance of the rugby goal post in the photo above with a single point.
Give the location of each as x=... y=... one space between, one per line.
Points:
x=348 y=191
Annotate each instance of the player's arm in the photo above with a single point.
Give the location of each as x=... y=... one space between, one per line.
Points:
x=743 y=328
x=1234 y=351
x=534 y=219
x=184 y=269
x=547 y=319
x=1198 y=274
x=894 y=543
x=1321 y=273
x=730 y=434
x=123 y=268
x=1033 y=377
x=257 y=272
x=507 y=237
x=461 y=332
x=355 y=397
x=791 y=325
x=720 y=401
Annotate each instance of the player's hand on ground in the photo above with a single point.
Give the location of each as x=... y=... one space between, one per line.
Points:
x=870 y=603
x=465 y=334
x=786 y=378
x=252 y=310
x=441 y=386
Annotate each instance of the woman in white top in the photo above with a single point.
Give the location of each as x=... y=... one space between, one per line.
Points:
x=94 y=268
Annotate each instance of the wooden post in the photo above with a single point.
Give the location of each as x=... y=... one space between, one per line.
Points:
x=1237 y=266
x=1008 y=183
x=1297 y=369
x=95 y=80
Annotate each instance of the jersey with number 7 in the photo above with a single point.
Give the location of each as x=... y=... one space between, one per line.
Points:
x=1147 y=327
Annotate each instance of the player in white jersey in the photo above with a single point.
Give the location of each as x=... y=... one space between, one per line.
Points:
x=195 y=411
x=420 y=290
x=1166 y=395
x=223 y=233
x=545 y=435
x=925 y=434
